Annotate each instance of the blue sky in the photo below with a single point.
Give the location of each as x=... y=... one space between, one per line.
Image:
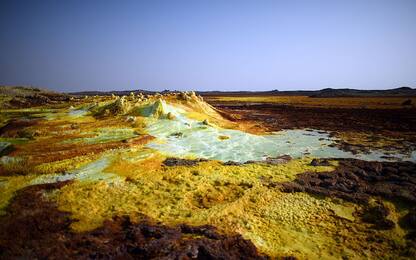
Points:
x=208 y=45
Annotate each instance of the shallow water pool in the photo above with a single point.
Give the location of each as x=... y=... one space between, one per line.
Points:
x=184 y=137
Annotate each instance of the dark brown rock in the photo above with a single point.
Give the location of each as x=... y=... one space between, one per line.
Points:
x=357 y=180
x=278 y=160
x=269 y=160
x=407 y=102
x=409 y=220
x=377 y=214
x=181 y=162
x=232 y=163
x=320 y=162
x=16 y=128
x=34 y=228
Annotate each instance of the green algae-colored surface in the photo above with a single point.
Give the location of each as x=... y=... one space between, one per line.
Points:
x=204 y=141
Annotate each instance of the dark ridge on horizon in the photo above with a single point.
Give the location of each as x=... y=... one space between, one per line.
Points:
x=326 y=92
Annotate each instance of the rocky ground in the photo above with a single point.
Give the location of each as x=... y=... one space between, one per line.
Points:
x=358 y=129
x=35 y=229
x=25 y=97
x=139 y=203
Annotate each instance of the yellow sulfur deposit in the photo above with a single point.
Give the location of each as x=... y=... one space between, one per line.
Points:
x=115 y=149
x=232 y=198
x=8 y=187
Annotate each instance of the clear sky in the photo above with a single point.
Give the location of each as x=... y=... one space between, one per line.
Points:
x=208 y=45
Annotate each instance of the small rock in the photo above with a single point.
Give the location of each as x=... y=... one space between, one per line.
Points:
x=320 y=162
x=410 y=219
x=131 y=119
x=232 y=163
x=279 y=160
x=181 y=162
x=177 y=134
x=170 y=116
x=407 y=102
x=5 y=148
x=377 y=214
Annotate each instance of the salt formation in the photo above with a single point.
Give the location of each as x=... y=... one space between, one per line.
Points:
x=201 y=129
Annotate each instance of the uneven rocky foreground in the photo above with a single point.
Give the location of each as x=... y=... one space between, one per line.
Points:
x=172 y=177
x=35 y=228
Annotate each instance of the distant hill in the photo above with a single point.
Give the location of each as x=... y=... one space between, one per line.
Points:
x=24 y=96
x=327 y=92
x=32 y=92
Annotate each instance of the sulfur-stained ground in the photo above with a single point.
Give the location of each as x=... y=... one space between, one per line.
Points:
x=172 y=176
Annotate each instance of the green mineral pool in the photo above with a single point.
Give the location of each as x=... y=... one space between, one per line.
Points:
x=185 y=137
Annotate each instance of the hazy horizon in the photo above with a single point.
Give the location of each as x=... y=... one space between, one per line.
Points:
x=207 y=46
x=212 y=90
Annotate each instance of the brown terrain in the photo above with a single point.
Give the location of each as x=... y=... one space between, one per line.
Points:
x=34 y=228
x=358 y=128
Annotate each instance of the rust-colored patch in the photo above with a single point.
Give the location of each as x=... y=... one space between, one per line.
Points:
x=55 y=151
x=15 y=127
